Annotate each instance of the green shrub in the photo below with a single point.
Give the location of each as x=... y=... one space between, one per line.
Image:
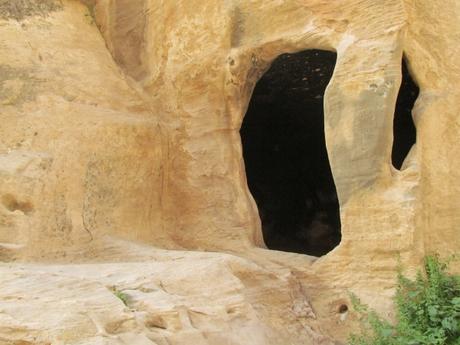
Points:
x=428 y=311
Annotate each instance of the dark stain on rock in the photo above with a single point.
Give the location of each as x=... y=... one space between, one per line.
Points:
x=13 y=204
x=21 y=9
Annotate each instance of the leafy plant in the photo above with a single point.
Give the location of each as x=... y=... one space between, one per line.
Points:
x=428 y=311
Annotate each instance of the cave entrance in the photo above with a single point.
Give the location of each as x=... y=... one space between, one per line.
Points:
x=285 y=155
x=404 y=133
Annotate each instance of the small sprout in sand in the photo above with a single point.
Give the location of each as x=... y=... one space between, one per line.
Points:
x=121 y=295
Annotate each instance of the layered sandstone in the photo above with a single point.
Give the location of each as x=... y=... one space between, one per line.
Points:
x=120 y=119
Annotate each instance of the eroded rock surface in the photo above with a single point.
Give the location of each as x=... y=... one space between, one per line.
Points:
x=121 y=119
x=163 y=297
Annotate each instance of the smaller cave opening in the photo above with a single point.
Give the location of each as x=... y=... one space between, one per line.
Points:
x=343 y=308
x=404 y=131
x=285 y=155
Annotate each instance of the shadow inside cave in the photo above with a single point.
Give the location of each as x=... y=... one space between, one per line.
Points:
x=285 y=155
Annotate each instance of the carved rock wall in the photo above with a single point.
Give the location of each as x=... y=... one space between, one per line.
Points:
x=121 y=119
x=202 y=71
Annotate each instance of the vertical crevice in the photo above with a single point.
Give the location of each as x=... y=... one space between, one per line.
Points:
x=404 y=131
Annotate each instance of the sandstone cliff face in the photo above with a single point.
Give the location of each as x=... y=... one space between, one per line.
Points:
x=120 y=119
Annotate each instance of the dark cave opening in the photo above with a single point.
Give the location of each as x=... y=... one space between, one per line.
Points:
x=404 y=132
x=285 y=155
